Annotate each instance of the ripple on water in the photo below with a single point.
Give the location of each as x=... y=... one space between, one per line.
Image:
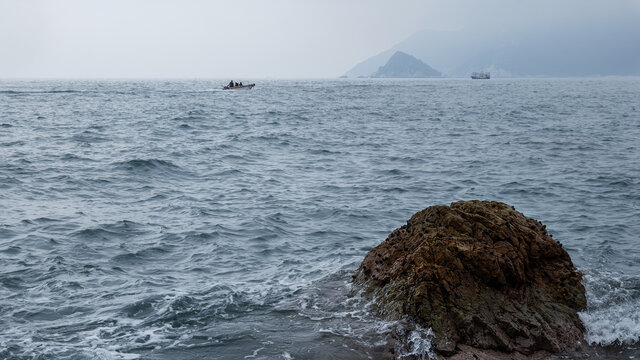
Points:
x=167 y=220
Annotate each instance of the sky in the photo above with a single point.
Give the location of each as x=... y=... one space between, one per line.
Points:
x=248 y=39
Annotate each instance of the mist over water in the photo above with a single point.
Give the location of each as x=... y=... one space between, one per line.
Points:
x=170 y=219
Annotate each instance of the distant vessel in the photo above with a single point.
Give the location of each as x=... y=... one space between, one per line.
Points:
x=481 y=75
x=239 y=87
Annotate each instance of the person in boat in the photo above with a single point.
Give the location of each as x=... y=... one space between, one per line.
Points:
x=240 y=83
x=230 y=83
x=236 y=84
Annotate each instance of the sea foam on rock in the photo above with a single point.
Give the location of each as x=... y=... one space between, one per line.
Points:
x=482 y=276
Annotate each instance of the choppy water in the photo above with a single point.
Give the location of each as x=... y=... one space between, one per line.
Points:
x=171 y=220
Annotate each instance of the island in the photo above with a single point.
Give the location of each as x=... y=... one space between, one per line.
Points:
x=403 y=65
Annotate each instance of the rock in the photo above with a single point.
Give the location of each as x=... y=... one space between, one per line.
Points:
x=482 y=276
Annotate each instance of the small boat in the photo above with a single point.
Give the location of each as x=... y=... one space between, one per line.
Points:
x=481 y=75
x=239 y=87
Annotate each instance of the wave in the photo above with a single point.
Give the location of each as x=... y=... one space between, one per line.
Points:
x=146 y=165
x=88 y=136
x=110 y=231
x=323 y=152
x=74 y=157
x=17 y=92
x=188 y=118
x=142 y=308
x=341 y=311
x=62 y=91
x=612 y=316
x=13 y=143
x=191 y=115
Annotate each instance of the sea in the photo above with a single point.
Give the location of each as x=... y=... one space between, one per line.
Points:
x=168 y=219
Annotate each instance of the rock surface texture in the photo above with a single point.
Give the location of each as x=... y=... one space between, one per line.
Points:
x=482 y=276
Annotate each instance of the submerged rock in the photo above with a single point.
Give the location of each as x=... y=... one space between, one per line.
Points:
x=482 y=276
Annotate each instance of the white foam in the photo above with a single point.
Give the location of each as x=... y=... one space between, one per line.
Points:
x=417 y=344
x=613 y=308
x=618 y=324
x=103 y=354
x=354 y=317
x=254 y=354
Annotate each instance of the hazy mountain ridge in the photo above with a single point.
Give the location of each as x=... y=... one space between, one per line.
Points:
x=580 y=50
x=402 y=65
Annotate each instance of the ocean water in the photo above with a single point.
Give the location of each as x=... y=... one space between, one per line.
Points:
x=173 y=220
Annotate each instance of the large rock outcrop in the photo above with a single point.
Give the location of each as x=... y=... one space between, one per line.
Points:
x=481 y=275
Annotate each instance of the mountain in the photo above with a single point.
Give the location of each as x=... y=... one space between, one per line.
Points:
x=370 y=65
x=402 y=65
x=588 y=49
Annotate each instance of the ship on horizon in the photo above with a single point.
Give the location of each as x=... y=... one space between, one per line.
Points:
x=481 y=75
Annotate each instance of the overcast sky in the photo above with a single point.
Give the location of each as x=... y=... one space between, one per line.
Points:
x=244 y=39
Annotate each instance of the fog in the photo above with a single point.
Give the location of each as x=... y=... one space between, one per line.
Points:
x=250 y=38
